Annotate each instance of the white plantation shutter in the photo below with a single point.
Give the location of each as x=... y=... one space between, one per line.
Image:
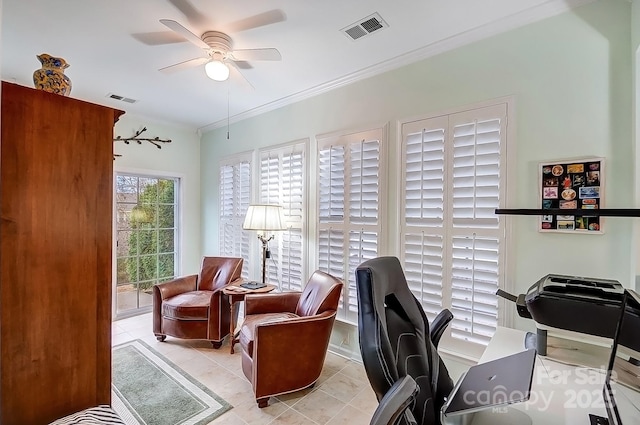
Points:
x=293 y=186
x=474 y=282
x=226 y=191
x=331 y=182
x=453 y=242
x=270 y=179
x=424 y=174
x=235 y=193
x=475 y=176
x=423 y=268
x=282 y=182
x=364 y=182
x=348 y=209
x=291 y=274
x=476 y=172
x=424 y=212
x=331 y=255
x=362 y=246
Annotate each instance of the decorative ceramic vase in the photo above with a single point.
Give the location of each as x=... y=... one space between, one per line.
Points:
x=50 y=77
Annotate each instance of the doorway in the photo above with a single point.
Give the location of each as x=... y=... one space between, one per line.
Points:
x=146 y=239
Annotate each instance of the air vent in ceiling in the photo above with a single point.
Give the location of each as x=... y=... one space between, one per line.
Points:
x=364 y=27
x=122 y=98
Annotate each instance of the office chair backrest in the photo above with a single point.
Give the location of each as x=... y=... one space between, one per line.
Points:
x=394 y=338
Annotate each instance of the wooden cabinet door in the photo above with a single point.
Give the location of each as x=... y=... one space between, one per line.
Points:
x=56 y=171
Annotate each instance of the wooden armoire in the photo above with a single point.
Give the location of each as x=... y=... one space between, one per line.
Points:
x=56 y=178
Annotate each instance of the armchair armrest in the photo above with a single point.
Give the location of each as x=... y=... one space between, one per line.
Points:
x=176 y=286
x=271 y=303
x=438 y=326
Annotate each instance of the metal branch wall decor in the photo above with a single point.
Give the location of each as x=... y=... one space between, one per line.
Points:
x=156 y=141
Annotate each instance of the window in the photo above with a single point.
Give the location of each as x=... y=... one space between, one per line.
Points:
x=146 y=227
x=282 y=182
x=349 y=227
x=452 y=242
x=235 y=195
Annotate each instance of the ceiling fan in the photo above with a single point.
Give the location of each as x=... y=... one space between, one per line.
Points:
x=219 y=52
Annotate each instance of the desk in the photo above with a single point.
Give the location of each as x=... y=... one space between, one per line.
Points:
x=236 y=294
x=561 y=393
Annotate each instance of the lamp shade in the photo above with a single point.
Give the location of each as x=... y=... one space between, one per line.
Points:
x=217 y=70
x=264 y=217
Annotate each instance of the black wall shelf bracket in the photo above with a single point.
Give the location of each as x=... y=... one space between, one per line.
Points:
x=602 y=212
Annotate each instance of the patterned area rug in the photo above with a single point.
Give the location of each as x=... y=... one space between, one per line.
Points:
x=149 y=389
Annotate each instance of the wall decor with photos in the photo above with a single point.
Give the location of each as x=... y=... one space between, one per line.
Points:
x=572 y=184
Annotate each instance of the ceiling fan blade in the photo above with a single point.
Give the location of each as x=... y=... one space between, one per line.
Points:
x=260 y=20
x=268 y=54
x=158 y=38
x=243 y=65
x=174 y=26
x=238 y=76
x=183 y=65
x=193 y=15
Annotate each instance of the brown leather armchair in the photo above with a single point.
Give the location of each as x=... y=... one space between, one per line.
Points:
x=194 y=307
x=285 y=336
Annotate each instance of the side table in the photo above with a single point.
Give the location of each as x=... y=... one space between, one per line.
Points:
x=236 y=294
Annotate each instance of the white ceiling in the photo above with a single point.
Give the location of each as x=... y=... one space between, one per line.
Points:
x=100 y=39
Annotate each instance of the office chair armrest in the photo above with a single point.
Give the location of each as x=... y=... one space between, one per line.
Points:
x=438 y=326
x=395 y=402
x=176 y=286
x=283 y=302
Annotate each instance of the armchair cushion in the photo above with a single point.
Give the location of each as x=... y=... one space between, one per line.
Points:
x=248 y=331
x=192 y=305
x=271 y=303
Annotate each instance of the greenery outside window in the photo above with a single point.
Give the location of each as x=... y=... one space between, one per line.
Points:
x=146 y=241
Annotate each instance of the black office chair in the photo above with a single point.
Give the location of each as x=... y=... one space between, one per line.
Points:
x=395 y=338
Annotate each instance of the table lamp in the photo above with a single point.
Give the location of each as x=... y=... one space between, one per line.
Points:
x=264 y=218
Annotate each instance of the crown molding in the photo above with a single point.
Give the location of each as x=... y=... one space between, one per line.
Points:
x=535 y=13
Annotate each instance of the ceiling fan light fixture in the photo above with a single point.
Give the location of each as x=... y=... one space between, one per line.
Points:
x=217 y=70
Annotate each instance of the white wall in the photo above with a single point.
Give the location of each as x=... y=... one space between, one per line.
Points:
x=571 y=78
x=635 y=55
x=179 y=158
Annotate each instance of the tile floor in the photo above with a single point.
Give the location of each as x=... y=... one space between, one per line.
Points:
x=341 y=396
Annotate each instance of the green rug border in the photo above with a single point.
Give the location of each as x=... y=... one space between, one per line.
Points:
x=225 y=406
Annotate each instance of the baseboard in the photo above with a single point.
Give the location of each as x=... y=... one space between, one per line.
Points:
x=345 y=352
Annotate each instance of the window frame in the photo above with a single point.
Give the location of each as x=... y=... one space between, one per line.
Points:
x=346 y=139
x=505 y=312
x=178 y=222
x=289 y=148
x=237 y=218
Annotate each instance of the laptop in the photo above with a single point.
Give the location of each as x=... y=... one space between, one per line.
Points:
x=621 y=390
x=496 y=383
